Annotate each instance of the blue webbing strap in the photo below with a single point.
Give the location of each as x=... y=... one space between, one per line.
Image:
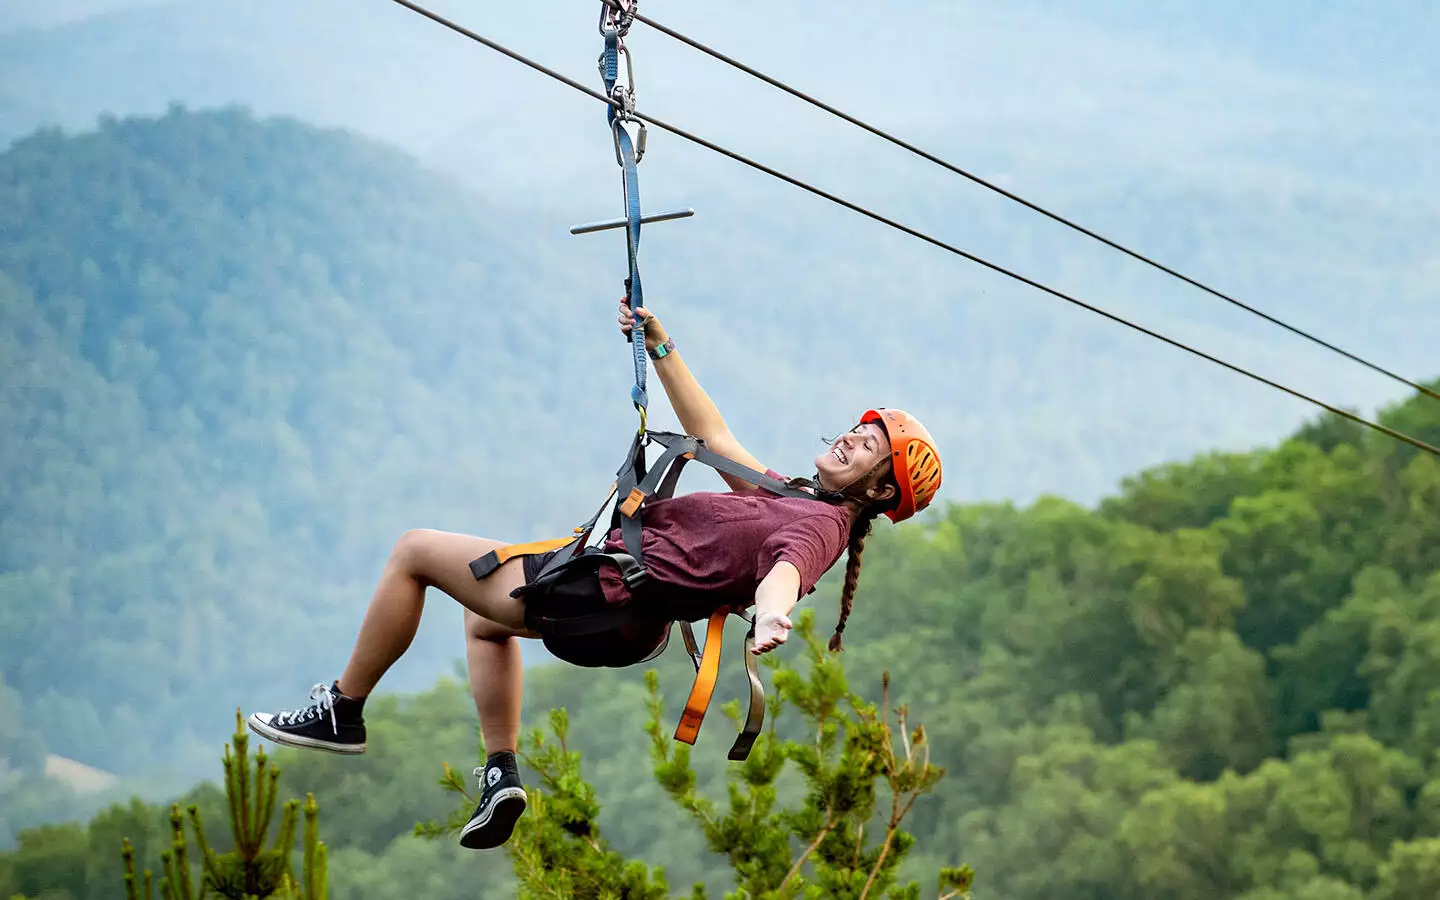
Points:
x=637 y=300
x=612 y=66
x=625 y=151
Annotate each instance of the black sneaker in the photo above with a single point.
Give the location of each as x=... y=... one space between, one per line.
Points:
x=502 y=802
x=332 y=722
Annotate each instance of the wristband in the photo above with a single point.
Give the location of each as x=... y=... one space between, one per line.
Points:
x=663 y=350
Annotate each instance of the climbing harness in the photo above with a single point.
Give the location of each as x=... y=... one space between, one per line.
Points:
x=632 y=488
x=635 y=483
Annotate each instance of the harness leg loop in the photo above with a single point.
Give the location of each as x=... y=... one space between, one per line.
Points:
x=704 y=686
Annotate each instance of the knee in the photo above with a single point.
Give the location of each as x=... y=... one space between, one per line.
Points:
x=410 y=548
x=479 y=628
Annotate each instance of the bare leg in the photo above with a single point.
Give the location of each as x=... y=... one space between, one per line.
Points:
x=424 y=559
x=492 y=653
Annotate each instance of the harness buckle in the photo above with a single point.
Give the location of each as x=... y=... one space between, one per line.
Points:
x=634 y=579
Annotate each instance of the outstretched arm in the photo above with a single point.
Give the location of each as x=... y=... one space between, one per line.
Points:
x=693 y=407
x=777 y=594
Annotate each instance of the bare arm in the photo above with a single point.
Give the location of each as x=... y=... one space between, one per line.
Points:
x=697 y=413
x=777 y=594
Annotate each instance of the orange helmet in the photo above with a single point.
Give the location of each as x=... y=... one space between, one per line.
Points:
x=914 y=458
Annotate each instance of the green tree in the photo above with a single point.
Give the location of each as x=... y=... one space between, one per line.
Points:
x=251 y=871
x=1412 y=871
x=841 y=836
x=1066 y=806
x=1217 y=716
x=45 y=862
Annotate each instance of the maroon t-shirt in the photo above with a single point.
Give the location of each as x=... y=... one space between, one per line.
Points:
x=710 y=549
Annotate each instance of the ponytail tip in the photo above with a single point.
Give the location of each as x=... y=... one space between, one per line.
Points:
x=836 y=644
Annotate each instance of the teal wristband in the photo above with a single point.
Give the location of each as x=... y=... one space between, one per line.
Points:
x=663 y=350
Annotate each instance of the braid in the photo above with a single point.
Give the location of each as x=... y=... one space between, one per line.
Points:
x=858 y=532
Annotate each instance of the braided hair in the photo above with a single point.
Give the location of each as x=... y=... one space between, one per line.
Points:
x=858 y=532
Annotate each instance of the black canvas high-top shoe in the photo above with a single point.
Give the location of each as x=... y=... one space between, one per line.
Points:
x=332 y=722
x=502 y=802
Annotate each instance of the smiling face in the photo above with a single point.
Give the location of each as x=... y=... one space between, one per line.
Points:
x=852 y=456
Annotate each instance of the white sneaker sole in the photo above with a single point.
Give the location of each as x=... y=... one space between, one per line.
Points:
x=262 y=727
x=510 y=803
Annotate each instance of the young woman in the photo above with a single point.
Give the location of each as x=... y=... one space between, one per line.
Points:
x=702 y=551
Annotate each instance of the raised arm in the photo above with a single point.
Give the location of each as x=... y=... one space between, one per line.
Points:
x=693 y=407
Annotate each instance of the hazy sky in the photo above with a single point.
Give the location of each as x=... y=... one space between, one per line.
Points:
x=1283 y=153
x=1298 y=91
x=1282 y=156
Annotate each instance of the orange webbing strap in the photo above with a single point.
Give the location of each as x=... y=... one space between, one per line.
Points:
x=496 y=558
x=704 y=687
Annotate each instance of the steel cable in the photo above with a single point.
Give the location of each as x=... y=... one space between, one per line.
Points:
x=679 y=132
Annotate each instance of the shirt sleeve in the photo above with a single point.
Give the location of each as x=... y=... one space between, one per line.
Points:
x=811 y=544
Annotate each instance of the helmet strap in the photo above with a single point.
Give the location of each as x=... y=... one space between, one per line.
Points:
x=849 y=492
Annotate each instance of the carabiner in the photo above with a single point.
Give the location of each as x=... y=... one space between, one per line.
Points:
x=629 y=75
x=622 y=93
x=616 y=20
x=639 y=142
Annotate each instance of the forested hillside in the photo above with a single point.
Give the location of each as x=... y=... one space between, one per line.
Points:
x=1221 y=683
x=240 y=358
x=242 y=355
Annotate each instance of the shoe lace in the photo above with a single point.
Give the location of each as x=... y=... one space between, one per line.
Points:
x=321 y=702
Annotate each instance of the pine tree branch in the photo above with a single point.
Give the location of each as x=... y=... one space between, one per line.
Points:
x=267 y=808
x=875 y=872
x=889 y=837
x=182 y=858
x=128 y=855
x=906 y=811
x=242 y=794
x=233 y=796
x=830 y=822
x=207 y=854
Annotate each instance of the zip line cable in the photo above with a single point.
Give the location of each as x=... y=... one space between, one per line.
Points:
x=773 y=82
x=679 y=132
